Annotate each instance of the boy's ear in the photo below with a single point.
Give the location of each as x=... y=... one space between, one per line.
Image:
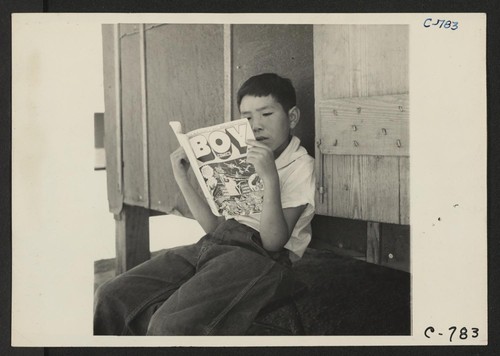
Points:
x=294 y=116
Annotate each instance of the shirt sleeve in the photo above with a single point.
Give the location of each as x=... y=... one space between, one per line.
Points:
x=299 y=185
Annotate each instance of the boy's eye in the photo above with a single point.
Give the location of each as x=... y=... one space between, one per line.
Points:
x=267 y=114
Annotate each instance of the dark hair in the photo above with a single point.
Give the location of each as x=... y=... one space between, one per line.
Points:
x=269 y=84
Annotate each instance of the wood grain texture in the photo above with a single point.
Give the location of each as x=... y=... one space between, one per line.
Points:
x=373 y=242
x=185 y=82
x=132 y=237
x=361 y=60
x=404 y=190
x=283 y=49
x=375 y=125
x=144 y=113
x=349 y=62
x=380 y=188
x=132 y=133
x=361 y=187
x=228 y=89
x=111 y=142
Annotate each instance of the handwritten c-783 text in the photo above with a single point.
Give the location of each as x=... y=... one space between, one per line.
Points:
x=439 y=23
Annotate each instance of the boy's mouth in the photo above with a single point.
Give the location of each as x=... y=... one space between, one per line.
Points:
x=261 y=138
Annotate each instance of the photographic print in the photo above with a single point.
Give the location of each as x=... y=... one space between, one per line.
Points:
x=357 y=218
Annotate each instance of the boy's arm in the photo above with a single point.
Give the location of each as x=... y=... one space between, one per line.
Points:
x=196 y=203
x=276 y=223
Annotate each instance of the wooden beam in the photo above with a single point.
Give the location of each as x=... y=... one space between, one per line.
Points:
x=118 y=106
x=132 y=237
x=133 y=117
x=144 y=113
x=227 y=74
x=373 y=242
x=112 y=143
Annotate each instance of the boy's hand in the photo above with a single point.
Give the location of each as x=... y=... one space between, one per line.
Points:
x=262 y=157
x=180 y=163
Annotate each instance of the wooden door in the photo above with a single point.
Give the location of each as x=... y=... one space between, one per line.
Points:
x=154 y=74
x=362 y=112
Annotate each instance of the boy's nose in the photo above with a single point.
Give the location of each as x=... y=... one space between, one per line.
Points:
x=256 y=124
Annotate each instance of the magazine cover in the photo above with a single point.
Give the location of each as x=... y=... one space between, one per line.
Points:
x=217 y=155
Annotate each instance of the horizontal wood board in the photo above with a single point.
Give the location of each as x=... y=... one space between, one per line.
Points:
x=376 y=125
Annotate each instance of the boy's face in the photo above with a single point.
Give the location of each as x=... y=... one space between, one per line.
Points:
x=269 y=121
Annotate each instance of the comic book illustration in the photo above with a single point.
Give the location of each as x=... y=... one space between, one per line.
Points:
x=217 y=155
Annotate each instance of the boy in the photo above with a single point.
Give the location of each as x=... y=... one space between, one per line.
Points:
x=218 y=285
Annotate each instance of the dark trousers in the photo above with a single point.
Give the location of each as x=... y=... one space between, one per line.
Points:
x=214 y=287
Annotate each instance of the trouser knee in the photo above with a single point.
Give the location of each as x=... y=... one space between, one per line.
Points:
x=104 y=294
x=160 y=325
x=168 y=324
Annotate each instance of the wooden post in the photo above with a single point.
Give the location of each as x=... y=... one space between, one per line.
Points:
x=228 y=91
x=373 y=242
x=132 y=237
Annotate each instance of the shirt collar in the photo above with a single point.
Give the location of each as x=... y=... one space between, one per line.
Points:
x=291 y=153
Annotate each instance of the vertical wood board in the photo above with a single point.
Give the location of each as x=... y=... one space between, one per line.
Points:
x=286 y=50
x=228 y=89
x=342 y=192
x=185 y=82
x=133 y=162
x=395 y=246
x=115 y=197
x=144 y=113
x=361 y=187
x=380 y=188
x=404 y=190
x=373 y=242
x=132 y=237
x=361 y=60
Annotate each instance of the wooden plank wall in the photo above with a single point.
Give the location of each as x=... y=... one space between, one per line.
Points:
x=352 y=61
x=184 y=72
x=282 y=49
x=154 y=74
x=185 y=82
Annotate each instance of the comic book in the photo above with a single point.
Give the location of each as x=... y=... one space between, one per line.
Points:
x=217 y=155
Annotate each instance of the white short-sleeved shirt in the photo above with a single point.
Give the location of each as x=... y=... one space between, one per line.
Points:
x=297 y=183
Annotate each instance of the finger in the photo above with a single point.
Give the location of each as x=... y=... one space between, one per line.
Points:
x=252 y=159
x=259 y=150
x=255 y=143
x=256 y=156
